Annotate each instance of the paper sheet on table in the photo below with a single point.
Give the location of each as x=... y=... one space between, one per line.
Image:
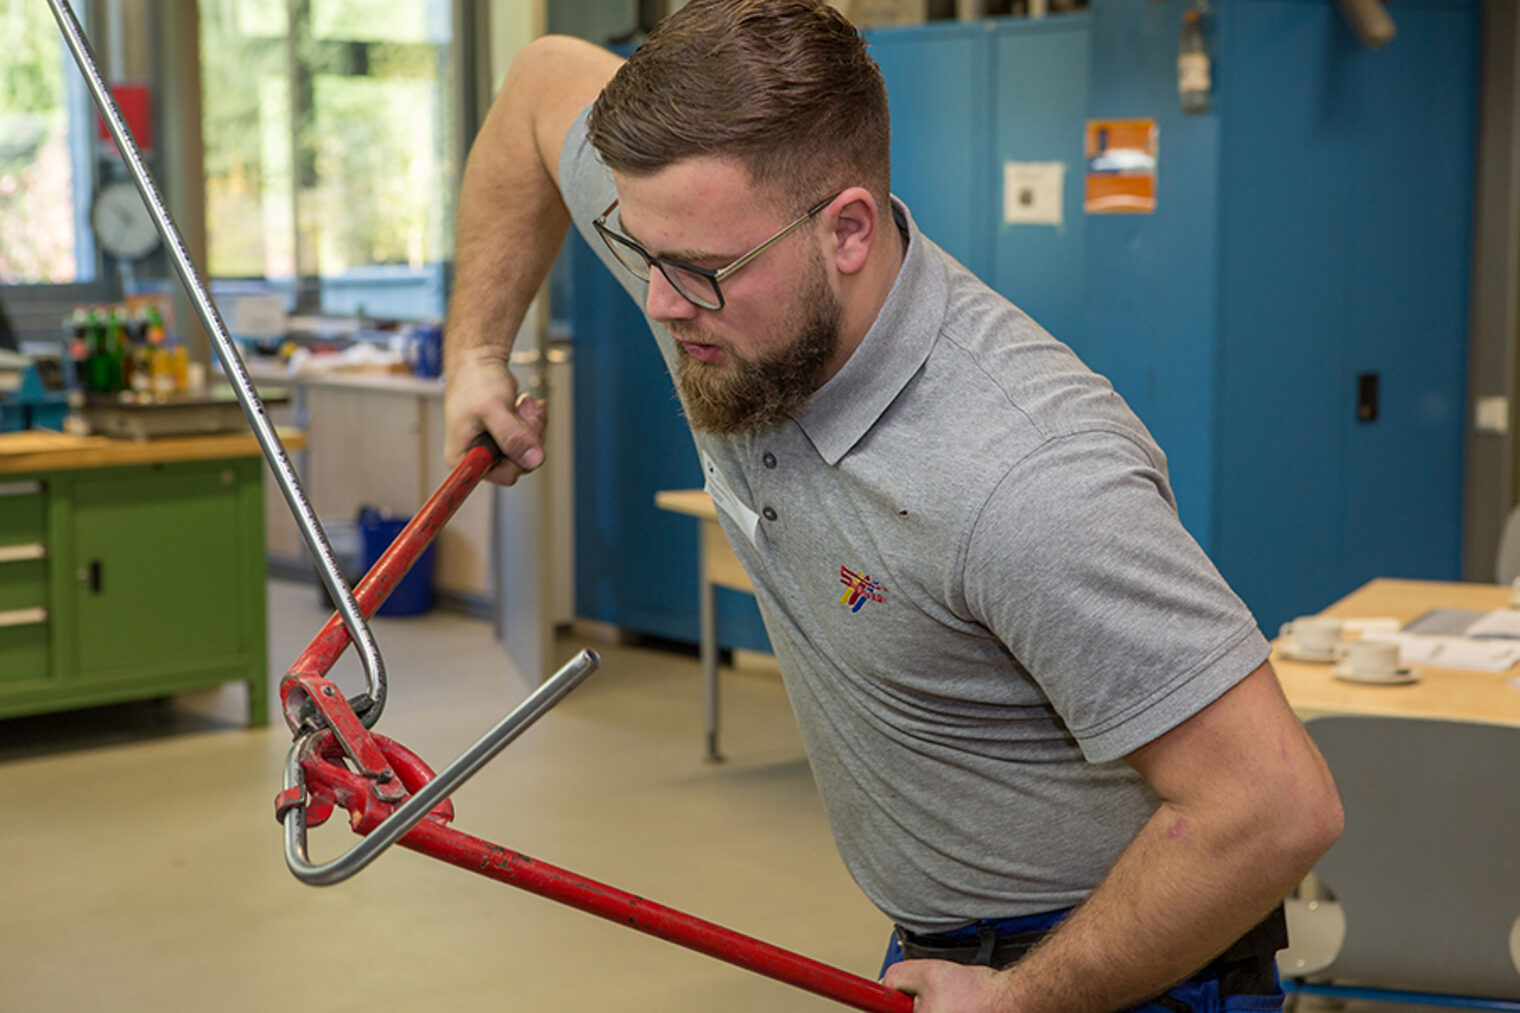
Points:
x=1499 y=623
x=1454 y=652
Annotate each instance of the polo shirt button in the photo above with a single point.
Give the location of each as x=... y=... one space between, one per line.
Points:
x=769 y=460
x=770 y=513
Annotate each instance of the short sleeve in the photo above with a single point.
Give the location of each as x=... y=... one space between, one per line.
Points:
x=1080 y=565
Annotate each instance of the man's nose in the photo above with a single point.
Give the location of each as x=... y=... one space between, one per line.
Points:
x=664 y=303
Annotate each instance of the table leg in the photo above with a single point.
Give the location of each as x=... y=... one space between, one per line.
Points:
x=707 y=607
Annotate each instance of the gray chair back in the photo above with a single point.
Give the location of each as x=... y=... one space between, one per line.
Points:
x=1507 y=565
x=1428 y=869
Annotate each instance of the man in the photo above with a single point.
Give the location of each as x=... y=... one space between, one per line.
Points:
x=1046 y=734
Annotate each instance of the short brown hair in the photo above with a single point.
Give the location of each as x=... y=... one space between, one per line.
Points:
x=784 y=86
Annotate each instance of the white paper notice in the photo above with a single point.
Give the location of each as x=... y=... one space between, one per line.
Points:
x=1034 y=193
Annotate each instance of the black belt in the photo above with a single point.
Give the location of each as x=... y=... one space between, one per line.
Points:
x=1244 y=968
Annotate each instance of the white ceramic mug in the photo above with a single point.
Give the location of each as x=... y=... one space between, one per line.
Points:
x=1314 y=634
x=1372 y=658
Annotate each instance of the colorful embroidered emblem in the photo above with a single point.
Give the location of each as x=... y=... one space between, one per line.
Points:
x=861 y=589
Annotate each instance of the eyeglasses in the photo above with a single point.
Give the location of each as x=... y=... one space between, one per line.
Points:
x=696 y=285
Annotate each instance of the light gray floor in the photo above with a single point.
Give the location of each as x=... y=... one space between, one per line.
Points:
x=141 y=866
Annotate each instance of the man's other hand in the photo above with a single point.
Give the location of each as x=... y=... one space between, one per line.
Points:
x=939 y=986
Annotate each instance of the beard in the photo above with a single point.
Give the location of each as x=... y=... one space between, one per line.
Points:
x=744 y=395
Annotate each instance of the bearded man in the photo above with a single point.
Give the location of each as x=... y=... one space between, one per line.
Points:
x=1052 y=750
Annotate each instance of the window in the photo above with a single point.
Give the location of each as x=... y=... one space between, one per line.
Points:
x=45 y=153
x=333 y=141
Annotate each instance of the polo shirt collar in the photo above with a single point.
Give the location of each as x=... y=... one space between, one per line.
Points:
x=843 y=410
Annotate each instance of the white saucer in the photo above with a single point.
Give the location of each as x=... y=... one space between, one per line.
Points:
x=1299 y=654
x=1400 y=676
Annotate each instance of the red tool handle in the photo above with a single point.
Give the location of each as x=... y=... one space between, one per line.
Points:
x=329 y=643
x=516 y=869
x=331 y=782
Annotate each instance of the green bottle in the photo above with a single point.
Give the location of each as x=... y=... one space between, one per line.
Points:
x=95 y=354
x=115 y=349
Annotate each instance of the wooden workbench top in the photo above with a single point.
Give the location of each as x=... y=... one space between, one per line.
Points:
x=39 y=450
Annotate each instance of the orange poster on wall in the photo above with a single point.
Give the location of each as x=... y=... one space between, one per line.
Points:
x=1121 y=166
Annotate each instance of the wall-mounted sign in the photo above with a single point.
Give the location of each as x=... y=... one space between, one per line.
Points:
x=1033 y=192
x=135 y=100
x=1121 y=166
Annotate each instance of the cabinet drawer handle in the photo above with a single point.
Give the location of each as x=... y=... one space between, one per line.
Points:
x=15 y=553
x=23 y=617
x=20 y=488
x=90 y=575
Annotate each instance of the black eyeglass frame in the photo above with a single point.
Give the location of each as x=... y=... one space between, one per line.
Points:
x=714 y=278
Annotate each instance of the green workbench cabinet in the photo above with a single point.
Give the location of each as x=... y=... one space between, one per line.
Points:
x=122 y=583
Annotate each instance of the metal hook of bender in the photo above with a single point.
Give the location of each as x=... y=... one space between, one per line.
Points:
x=412 y=811
x=368 y=707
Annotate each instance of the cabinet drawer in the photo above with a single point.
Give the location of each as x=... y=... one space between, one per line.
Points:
x=23 y=516
x=23 y=584
x=24 y=649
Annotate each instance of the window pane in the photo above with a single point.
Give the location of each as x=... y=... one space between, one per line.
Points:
x=40 y=238
x=246 y=130
x=382 y=21
x=333 y=156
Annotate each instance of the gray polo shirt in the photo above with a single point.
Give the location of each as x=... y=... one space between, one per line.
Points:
x=970 y=565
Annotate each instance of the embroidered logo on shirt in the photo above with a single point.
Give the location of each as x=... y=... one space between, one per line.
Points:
x=861 y=589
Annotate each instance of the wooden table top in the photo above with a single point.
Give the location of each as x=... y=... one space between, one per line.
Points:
x=693 y=502
x=1453 y=693
x=39 y=450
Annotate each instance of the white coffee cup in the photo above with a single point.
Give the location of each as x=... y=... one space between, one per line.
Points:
x=1314 y=634
x=1372 y=658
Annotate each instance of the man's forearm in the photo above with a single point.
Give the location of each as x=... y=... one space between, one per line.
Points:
x=1248 y=808
x=1177 y=897
x=511 y=222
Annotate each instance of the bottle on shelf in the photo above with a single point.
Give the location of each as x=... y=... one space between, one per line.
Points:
x=114 y=374
x=97 y=366
x=78 y=329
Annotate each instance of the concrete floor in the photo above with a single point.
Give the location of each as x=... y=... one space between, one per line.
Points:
x=141 y=867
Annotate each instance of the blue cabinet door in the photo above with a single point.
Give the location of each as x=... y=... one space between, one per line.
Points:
x=1345 y=237
x=937 y=87
x=1039 y=103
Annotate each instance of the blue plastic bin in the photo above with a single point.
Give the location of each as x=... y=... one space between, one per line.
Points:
x=414 y=595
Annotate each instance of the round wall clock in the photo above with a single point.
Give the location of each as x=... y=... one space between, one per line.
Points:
x=121 y=222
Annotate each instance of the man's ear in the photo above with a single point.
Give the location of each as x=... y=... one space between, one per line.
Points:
x=854 y=215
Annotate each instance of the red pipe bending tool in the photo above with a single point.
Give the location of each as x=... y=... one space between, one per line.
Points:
x=392 y=797
x=336 y=761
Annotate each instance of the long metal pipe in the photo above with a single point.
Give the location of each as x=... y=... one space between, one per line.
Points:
x=369 y=707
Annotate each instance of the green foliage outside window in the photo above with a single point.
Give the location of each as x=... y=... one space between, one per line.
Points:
x=332 y=149
x=37 y=239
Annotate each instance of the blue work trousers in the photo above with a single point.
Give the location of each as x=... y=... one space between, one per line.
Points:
x=1199 y=994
